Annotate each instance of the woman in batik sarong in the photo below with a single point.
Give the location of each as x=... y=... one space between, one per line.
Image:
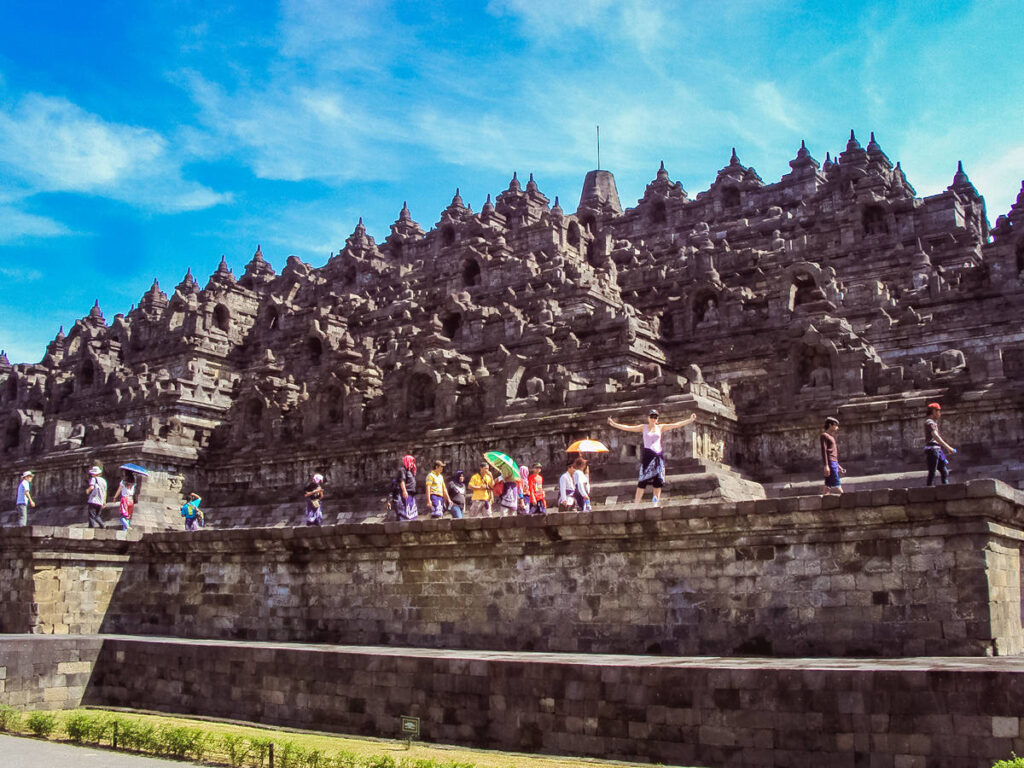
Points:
x=652 y=458
x=314 y=495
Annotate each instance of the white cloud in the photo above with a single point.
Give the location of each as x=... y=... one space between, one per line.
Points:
x=20 y=275
x=17 y=225
x=293 y=132
x=775 y=107
x=49 y=144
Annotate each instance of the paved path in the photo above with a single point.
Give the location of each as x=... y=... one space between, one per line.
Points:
x=32 y=753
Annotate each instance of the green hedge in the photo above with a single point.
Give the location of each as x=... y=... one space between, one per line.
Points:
x=195 y=743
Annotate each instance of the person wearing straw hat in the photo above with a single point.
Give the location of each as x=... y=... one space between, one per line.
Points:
x=96 y=496
x=652 y=460
x=24 y=498
x=935 y=448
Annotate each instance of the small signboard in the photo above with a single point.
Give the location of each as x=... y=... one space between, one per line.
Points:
x=410 y=727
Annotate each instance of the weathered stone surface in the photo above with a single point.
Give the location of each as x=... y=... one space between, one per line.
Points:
x=948 y=713
x=761 y=307
x=881 y=576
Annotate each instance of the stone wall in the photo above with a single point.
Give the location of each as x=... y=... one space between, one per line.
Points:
x=943 y=713
x=929 y=571
x=46 y=675
x=59 y=581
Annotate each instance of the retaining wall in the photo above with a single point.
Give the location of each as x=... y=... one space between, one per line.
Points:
x=881 y=573
x=943 y=713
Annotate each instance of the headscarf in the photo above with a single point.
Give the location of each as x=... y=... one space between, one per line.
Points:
x=409 y=462
x=459 y=473
x=524 y=474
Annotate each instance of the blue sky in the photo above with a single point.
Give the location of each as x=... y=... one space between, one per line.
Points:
x=139 y=139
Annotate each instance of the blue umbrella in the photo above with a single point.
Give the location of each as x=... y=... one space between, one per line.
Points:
x=136 y=469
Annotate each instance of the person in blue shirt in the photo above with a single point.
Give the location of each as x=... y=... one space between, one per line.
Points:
x=194 y=519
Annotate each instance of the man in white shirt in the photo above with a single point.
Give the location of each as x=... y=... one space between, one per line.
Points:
x=24 y=499
x=566 y=490
x=96 y=497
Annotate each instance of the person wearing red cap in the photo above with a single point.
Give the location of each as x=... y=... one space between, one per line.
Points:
x=935 y=447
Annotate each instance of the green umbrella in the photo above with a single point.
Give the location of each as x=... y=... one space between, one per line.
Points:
x=503 y=463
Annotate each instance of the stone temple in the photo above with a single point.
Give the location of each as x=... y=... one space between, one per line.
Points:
x=744 y=622
x=762 y=307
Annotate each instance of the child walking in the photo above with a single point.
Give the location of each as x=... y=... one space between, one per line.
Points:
x=535 y=490
x=127 y=492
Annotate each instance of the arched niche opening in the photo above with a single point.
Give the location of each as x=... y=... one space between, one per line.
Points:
x=254 y=416
x=659 y=212
x=573 y=235
x=447 y=235
x=470 y=272
x=420 y=395
x=804 y=290
x=731 y=198
x=874 y=220
x=87 y=374
x=273 y=318
x=333 y=405
x=221 y=318
x=12 y=435
x=588 y=222
x=315 y=348
x=11 y=389
x=667 y=324
x=705 y=309
x=593 y=258
x=451 y=323
x=531 y=383
x=814 y=368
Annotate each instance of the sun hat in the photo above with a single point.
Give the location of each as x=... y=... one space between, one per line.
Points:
x=318 y=478
x=28 y=473
x=94 y=470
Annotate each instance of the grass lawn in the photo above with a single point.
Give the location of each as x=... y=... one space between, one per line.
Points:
x=240 y=744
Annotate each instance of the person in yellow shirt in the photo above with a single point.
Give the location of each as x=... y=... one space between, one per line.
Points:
x=480 y=484
x=437 y=490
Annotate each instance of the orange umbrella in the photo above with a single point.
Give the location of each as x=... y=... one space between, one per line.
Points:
x=587 y=446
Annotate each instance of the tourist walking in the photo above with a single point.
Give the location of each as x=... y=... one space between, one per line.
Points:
x=437 y=490
x=652 y=458
x=96 y=496
x=830 y=457
x=935 y=448
x=566 y=490
x=535 y=491
x=192 y=513
x=510 y=496
x=313 y=493
x=404 y=485
x=457 y=494
x=23 y=500
x=127 y=495
x=581 y=482
x=482 y=485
